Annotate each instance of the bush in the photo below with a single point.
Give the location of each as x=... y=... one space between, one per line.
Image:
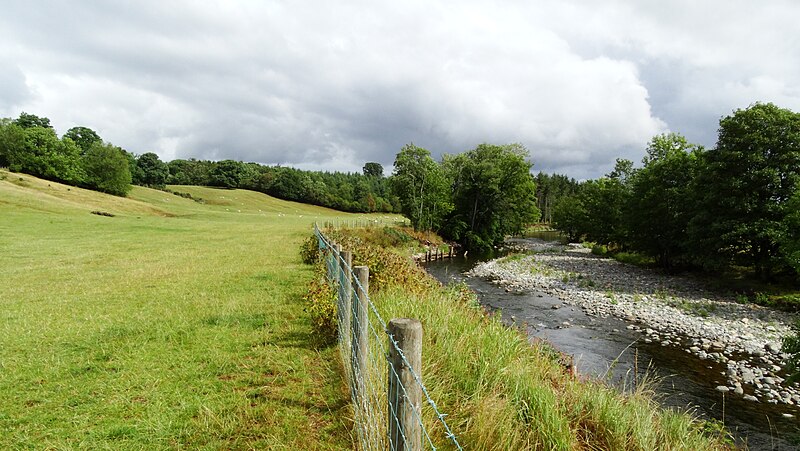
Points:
x=791 y=346
x=309 y=250
x=599 y=249
x=321 y=306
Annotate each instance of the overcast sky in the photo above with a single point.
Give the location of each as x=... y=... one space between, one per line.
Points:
x=332 y=85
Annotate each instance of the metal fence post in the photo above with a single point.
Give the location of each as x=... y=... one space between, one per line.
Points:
x=346 y=285
x=359 y=324
x=405 y=394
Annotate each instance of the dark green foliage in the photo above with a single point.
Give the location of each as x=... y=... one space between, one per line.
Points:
x=190 y=172
x=659 y=208
x=227 y=174
x=84 y=137
x=494 y=195
x=570 y=217
x=309 y=250
x=791 y=346
x=420 y=184
x=790 y=241
x=320 y=301
x=550 y=190
x=734 y=206
x=151 y=171
x=600 y=215
x=346 y=192
x=107 y=169
x=744 y=187
x=373 y=169
x=12 y=142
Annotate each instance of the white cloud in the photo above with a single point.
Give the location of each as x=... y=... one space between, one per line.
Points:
x=333 y=85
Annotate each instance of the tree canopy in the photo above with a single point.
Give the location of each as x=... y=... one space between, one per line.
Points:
x=107 y=169
x=493 y=192
x=420 y=184
x=744 y=186
x=151 y=171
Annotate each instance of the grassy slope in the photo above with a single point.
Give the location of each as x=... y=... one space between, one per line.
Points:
x=174 y=324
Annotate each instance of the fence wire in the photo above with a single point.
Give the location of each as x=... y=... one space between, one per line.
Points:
x=367 y=375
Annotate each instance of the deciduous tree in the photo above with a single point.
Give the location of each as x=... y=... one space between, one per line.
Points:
x=84 y=137
x=151 y=171
x=660 y=207
x=107 y=169
x=420 y=184
x=744 y=189
x=494 y=194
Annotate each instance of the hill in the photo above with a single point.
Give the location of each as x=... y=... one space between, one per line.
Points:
x=174 y=323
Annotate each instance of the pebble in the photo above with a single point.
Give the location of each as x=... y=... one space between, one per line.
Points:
x=666 y=309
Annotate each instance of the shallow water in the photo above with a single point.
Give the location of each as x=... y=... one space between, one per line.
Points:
x=604 y=348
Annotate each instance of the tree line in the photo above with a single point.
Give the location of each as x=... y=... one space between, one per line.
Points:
x=80 y=157
x=29 y=144
x=737 y=204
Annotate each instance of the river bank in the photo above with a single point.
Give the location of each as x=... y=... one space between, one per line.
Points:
x=671 y=310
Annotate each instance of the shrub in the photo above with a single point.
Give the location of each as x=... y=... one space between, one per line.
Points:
x=791 y=346
x=309 y=250
x=321 y=306
x=599 y=249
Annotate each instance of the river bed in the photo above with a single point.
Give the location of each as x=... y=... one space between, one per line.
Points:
x=621 y=351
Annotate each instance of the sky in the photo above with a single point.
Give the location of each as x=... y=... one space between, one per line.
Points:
x=333 y=85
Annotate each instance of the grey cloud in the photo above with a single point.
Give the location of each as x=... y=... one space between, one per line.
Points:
x=331 y=86
x=13 y=89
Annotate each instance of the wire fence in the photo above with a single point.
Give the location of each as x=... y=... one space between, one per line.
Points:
x=393 y=409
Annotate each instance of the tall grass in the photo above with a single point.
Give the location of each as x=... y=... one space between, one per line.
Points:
x=501 y=391
x=173 y=324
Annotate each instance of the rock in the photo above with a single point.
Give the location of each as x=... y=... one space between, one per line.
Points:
x=773 y=348
x=750 y=398
x=788 y=415
x=738 y=390
x=748 y=376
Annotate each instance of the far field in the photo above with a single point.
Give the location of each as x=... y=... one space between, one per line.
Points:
x=172 y=324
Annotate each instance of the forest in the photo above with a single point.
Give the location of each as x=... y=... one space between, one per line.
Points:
x=736 y=205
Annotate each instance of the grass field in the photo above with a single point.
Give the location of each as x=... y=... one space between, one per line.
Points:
x=173 y=324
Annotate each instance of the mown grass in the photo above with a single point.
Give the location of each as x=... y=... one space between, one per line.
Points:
x=502 y=392
x=173 y=324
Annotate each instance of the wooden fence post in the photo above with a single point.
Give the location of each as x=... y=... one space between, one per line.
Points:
x=405 y=394
x=359 y=323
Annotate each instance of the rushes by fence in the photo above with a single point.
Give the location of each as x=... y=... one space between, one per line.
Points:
x=392 y=407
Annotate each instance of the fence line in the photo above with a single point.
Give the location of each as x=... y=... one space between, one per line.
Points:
x=382 y=365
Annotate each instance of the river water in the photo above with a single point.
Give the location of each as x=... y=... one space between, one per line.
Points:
x=605 y=348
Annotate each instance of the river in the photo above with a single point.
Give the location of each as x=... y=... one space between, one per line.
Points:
x=606 y=348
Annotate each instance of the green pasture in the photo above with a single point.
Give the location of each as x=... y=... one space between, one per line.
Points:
x=173 y=324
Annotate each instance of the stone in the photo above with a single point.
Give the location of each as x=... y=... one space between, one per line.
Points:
x=750 y=398
x=748 y=376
